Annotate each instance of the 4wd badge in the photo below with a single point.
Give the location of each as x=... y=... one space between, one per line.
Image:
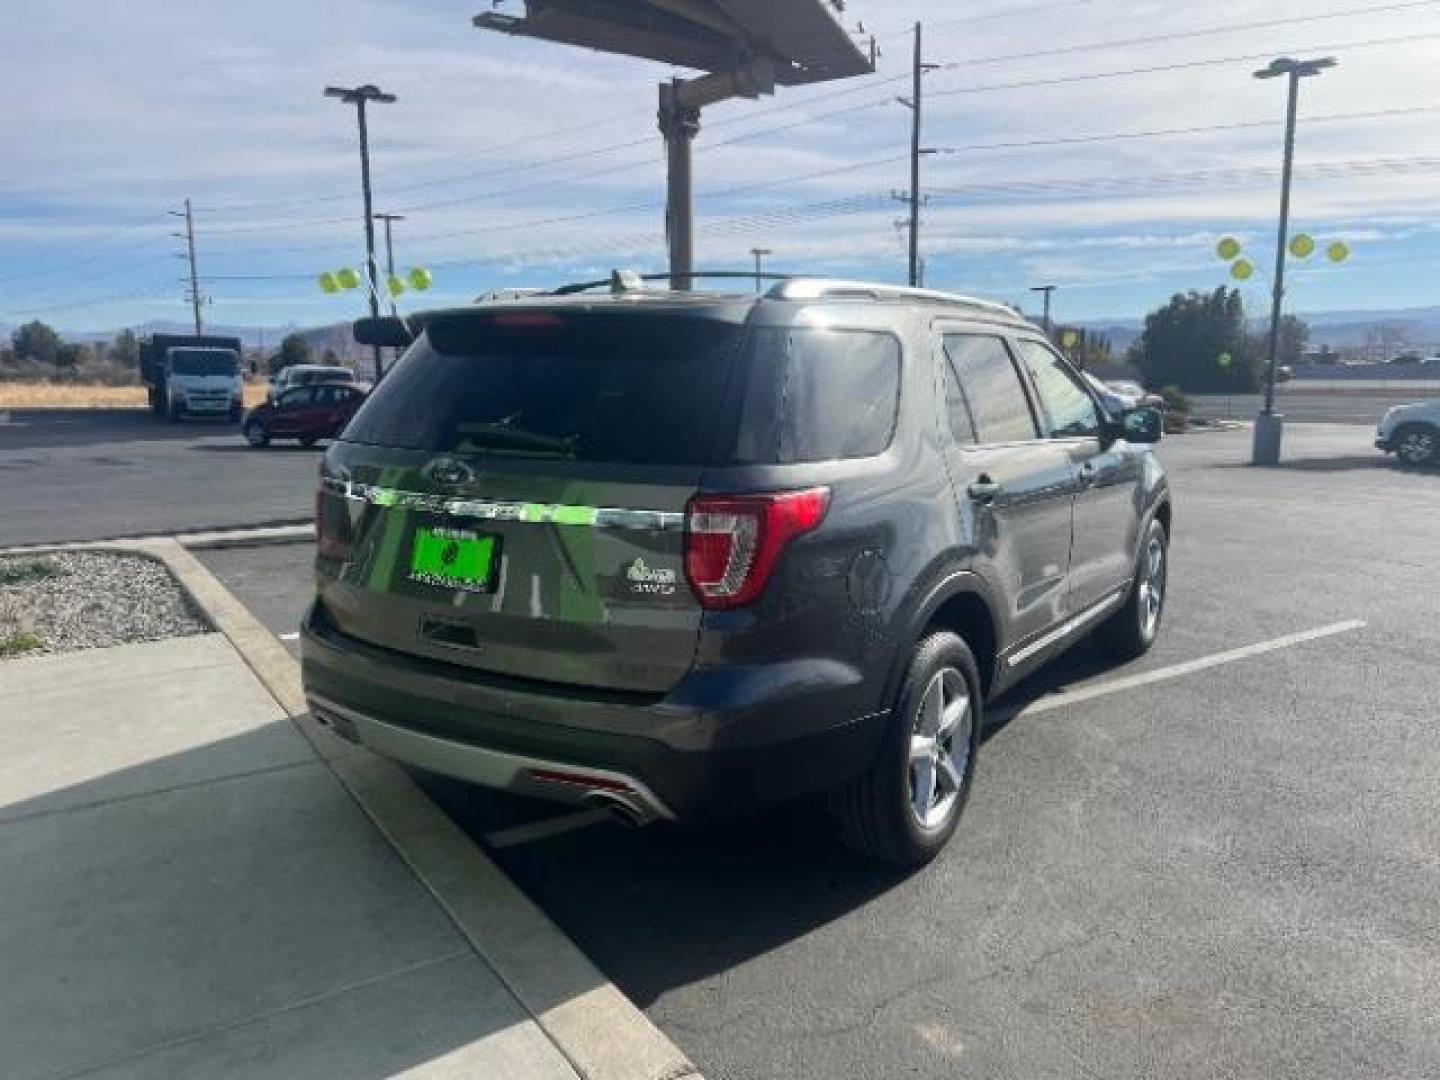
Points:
x=655 y=581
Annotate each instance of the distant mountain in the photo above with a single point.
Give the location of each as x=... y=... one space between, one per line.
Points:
x=1417 y=326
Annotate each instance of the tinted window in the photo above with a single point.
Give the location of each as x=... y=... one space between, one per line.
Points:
x=295 y=399
x=331 y=394
x=608 y=386
x=817 y=395
x=992 y=388
x=962 y=427
x=204 y=362
x=1069 y=410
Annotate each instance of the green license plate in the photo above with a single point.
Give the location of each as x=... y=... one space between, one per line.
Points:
x=452 y=559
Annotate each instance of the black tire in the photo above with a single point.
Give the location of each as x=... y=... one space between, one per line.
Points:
x=256 y=435
x=876 y=810
x=1131 y=631
x=1416 y=445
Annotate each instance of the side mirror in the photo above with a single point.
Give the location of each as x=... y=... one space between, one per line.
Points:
x=386 y=330
x=1143 y=425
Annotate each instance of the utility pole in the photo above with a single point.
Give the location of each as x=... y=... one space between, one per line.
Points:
x=913 y=103
x=195 y=298
x=1048 y=290
x=1270 y=427
x=359 y=96
x=388 y=219
x=759 y=254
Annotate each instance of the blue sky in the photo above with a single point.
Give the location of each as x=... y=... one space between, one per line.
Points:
x=522 y=163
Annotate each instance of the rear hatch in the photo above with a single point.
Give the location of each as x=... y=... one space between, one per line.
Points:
x=511 y=497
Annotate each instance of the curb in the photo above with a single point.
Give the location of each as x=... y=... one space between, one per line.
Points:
x=595 y=1027
x=277 y=532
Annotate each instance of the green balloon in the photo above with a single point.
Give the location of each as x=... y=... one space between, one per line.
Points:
x=349 y=278
x=1242 y=270
x=1338 y=252
x=1303 y=246
x=328 y=283
x=395 y=285
x=420 y=279
x=1228 y=248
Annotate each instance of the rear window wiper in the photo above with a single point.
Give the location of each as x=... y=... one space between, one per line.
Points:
x=501 y=437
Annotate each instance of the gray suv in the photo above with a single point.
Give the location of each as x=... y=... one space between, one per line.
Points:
x=685 y=554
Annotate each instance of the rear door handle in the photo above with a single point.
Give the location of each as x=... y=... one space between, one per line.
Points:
x=1087 y=474
x=985 y=490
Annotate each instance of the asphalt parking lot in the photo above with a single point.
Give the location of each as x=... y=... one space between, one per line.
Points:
x=1218 y=861
x=101 y=473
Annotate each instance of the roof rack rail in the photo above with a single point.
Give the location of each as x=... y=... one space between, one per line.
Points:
x=809 y=288
x=621 y=281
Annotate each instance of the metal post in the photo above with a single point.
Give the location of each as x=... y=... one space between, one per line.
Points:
x=194 y=274
x=759 y=254
x=390 y=219
x=1278 y=297
x=1048 y=290
x=370 y=270
x=916 y=74
x=1270 y=426
x=679 y=125
x=359 y=97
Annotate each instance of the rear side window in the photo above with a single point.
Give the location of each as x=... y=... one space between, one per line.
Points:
x=612 y=387
x=962 y=427
x=817 y=395
x=999 y=410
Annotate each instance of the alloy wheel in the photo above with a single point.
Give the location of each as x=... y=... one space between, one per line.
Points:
x=939 y=748
x=1152 y=585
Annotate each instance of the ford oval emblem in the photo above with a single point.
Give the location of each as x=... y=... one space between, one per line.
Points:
x=448 y=472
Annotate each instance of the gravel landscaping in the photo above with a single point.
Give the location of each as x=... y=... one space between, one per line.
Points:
x=89 y=600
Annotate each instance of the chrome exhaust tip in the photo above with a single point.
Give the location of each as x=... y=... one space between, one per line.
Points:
x=619 y=807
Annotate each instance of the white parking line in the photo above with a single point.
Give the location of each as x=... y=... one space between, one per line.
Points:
x=564 y=823
x=294 y=635
x=544 y=830
x=1189 y=667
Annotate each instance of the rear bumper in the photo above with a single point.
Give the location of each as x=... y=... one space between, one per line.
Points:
x=661 y=756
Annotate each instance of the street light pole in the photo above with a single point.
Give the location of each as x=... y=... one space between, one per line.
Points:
x=759 y=254
x=1270 y=426
x=389 y=219
x=359 y=96
x=1048 y=290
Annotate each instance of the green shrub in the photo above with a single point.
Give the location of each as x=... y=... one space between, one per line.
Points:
x=18 y=643
x=1175 y=399
x=19 y=571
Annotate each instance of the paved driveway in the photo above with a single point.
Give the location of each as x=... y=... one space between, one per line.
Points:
x=95 y=474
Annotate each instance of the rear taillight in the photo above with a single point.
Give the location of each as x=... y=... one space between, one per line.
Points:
x=332 y=531
x=733 y=542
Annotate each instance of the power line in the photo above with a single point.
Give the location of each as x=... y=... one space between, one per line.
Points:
x=1184 y=35
x=1116 y=136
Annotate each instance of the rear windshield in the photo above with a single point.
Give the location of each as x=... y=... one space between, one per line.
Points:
x=204 y=362
x=817 y=395
x=619 y=388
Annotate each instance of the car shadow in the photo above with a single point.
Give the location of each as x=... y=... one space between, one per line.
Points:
x=666 y=906
x=270 y=448
x=1341 y=463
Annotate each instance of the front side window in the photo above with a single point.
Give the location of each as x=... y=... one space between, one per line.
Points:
x=1070 y=412
x=991 y=386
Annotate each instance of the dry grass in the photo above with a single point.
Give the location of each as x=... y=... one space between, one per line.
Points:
x=15 y=395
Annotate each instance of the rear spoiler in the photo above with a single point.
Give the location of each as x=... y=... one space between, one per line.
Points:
x=383 y=330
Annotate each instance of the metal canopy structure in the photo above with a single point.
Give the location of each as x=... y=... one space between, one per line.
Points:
x=745 y=47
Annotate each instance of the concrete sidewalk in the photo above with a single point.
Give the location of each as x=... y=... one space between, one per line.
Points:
x=188 y=889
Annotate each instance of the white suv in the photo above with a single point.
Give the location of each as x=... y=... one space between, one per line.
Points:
x=1411 y=433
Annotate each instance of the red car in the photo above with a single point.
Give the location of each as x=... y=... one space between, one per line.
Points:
x=307 y=413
